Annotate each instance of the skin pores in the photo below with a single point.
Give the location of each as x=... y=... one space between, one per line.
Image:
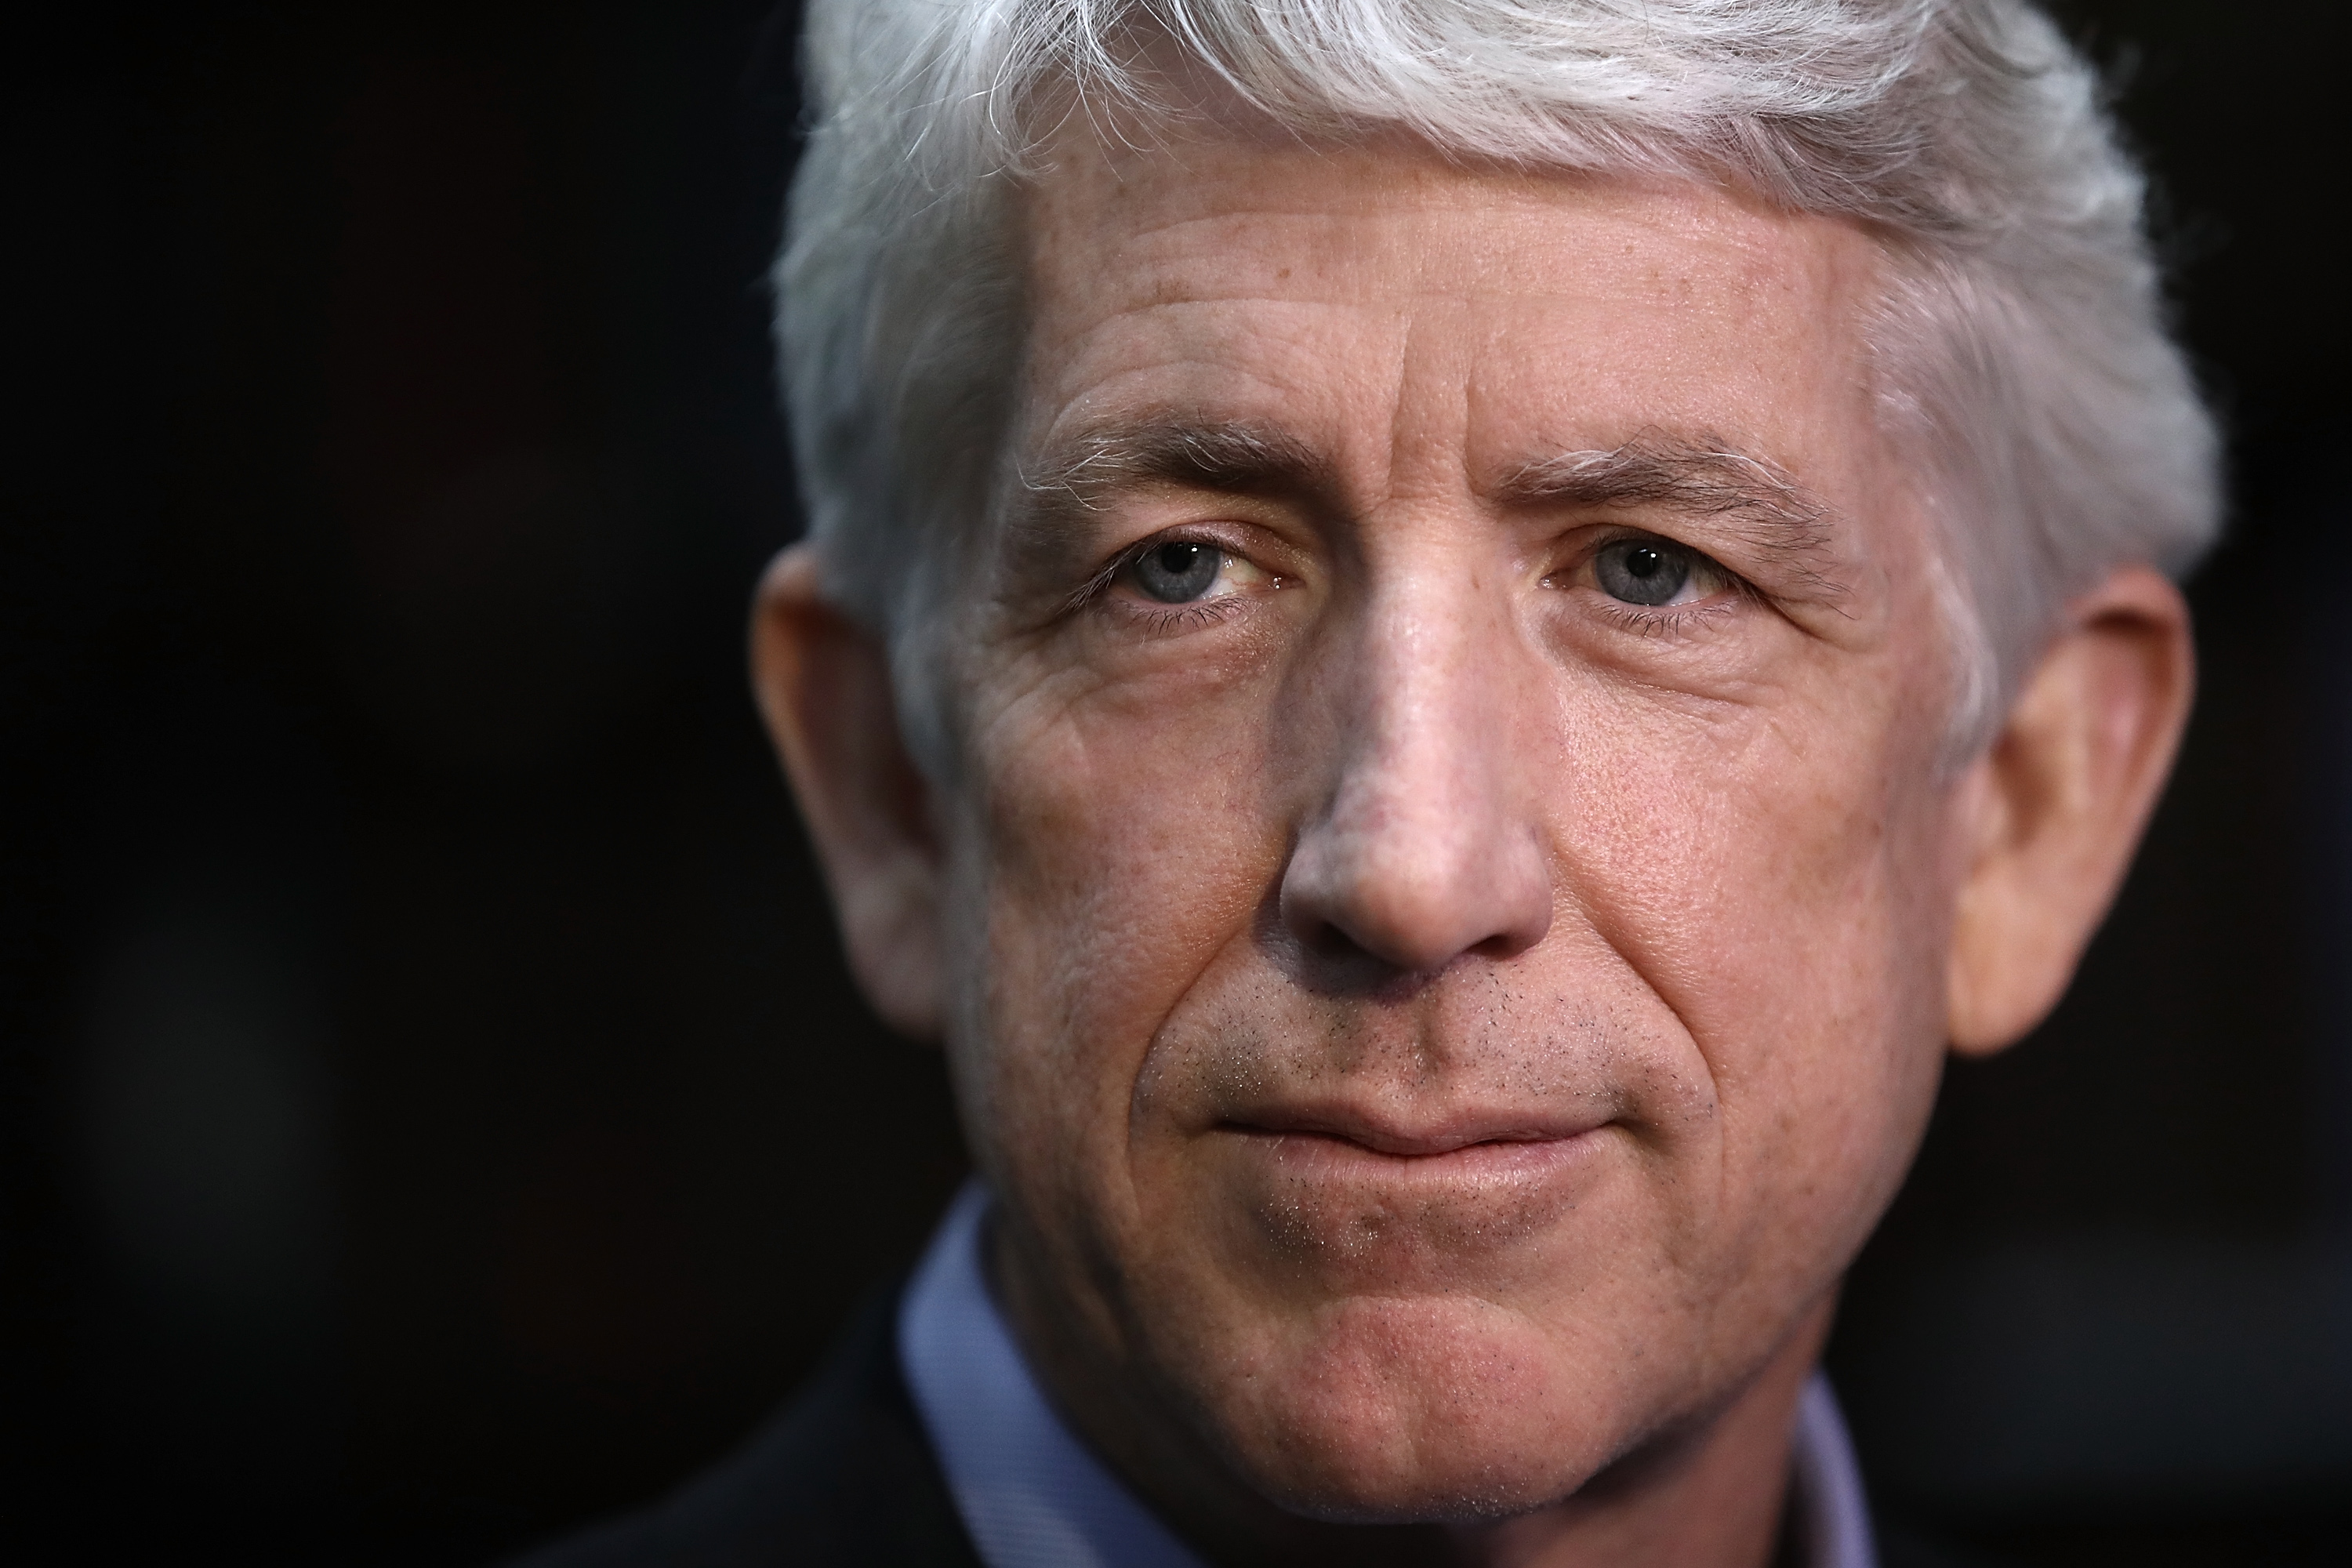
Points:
x=1440 y=1025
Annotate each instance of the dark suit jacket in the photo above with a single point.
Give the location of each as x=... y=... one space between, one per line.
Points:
x=846 y=1479
x=843 y=1478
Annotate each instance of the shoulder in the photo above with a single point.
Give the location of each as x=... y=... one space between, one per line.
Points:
x=845 y=1478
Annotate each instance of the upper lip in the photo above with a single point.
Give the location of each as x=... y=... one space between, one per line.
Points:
x=1411 y=1136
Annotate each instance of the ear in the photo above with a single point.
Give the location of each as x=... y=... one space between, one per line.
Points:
x=824 y=686
x=2059 y=801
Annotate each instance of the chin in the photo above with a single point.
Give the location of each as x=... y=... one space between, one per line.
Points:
x=1396 y=1410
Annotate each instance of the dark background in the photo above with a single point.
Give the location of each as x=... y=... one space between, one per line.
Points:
x=433 y=1108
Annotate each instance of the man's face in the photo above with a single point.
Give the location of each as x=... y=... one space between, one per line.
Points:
x=1449 y=874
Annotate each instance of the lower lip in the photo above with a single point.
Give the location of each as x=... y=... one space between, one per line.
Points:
x=1331 y=1211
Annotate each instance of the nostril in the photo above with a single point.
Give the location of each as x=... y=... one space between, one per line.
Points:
x=1377 y=907
x=1510 y=944
x=1329 y=960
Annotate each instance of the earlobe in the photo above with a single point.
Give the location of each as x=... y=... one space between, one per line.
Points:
x=2056 y=806
x=823 y=688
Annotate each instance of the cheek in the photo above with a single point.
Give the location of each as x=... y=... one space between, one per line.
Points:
x=1117 y=847
x=1783 y=901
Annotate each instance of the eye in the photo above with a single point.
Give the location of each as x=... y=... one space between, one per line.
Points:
x=1177 y=572
x=1181 y=582
x=1654 y=572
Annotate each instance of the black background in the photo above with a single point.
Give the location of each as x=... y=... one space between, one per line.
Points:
x=434 y=1109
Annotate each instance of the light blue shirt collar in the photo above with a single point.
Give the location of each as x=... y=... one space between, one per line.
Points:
x=1032 y=1496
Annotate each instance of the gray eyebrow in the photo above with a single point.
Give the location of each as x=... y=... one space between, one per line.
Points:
x=1056 y=494
x=1225 y=455
x=1697 y=477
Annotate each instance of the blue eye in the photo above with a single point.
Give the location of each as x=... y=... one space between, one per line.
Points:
x=1643 y=571
x=1178 y=572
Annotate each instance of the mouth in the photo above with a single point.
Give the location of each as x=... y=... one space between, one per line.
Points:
x=1337 y=1138
x=1383 y=1202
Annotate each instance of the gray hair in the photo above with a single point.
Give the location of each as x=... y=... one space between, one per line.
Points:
x=2022 y=347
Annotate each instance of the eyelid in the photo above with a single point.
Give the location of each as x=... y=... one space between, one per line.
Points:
x=1594 y=538
x=1209 y=535
x=1727 y=595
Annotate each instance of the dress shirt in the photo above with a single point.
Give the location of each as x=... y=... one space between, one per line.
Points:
x=1032 y=1496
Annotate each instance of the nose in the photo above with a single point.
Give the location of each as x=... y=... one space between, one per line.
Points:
x=1430 y=841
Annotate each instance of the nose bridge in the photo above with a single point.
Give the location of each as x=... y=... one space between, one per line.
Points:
x=1423 y=707
x=1428 y=842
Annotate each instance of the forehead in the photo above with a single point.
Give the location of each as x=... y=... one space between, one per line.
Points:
x=1495 y=308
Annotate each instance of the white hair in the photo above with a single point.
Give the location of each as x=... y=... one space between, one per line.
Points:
x=2022 y=345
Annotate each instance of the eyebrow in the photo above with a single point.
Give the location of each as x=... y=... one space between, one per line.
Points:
x=1079 y=475
x=1050 y=519
x=1699 y=476
x=1694 y=477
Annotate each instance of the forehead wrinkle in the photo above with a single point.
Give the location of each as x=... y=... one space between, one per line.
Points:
x=1701 y=477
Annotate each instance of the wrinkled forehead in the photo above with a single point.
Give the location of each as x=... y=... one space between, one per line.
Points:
x=1254 y=278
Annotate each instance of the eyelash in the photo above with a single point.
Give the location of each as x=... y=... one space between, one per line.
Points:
x=1164 y=619
x=1643 y=621
x=1648 y=623
x=1157 y=619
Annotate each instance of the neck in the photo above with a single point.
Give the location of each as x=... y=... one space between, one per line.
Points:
x=1707 y=1493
